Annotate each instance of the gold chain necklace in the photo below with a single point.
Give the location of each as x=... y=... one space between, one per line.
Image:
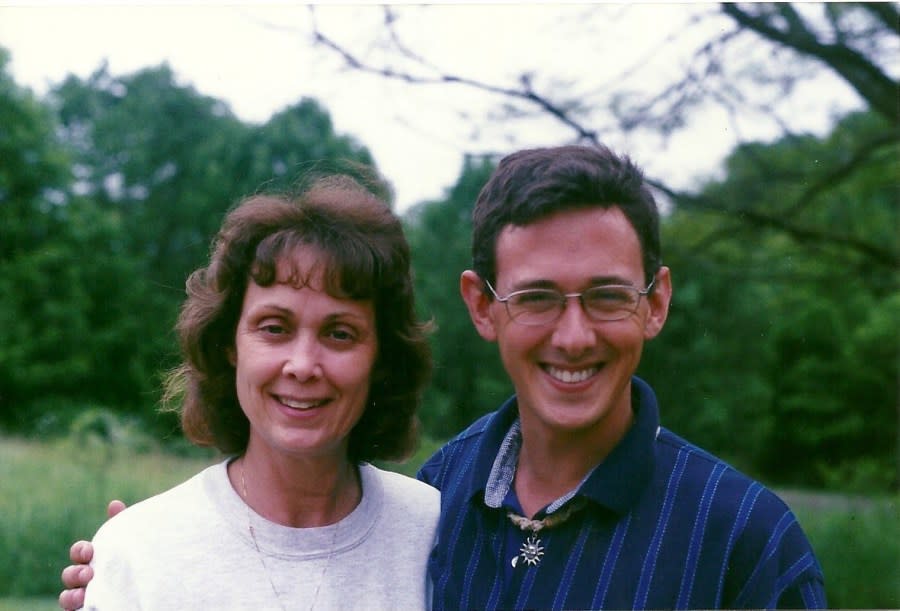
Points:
x=532 y=550
x=262 y=559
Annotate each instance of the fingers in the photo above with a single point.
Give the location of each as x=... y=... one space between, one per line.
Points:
x=114 y=507
x=81 y=552
x=74 y=577
x=72 y=599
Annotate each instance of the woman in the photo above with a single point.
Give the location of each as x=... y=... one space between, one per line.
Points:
x=302 y=361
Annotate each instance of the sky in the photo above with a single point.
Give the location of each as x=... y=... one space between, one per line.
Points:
x=260 y=58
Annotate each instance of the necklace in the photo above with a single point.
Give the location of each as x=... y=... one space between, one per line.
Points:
x=262 y=559
x=532 y=550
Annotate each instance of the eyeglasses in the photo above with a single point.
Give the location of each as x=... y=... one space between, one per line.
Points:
x=534 y=307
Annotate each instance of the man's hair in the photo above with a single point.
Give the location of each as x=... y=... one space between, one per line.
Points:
x=364 y=256
x=532 y=184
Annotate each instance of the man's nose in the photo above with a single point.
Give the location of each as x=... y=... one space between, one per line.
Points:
x=574 y=331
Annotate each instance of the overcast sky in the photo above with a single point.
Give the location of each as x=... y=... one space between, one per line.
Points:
x=260 y=59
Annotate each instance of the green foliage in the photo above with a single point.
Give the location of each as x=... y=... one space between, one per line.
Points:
x=33 y=170
x=110 y=193
x=469 y=379
x=781 y=350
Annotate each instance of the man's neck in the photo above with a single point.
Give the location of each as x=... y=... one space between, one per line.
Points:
x=553 y=463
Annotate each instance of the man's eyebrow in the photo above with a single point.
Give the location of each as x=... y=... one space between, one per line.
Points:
x=540 y=283
x=610 y=280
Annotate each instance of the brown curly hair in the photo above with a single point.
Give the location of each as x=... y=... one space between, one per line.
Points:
x=366 y=258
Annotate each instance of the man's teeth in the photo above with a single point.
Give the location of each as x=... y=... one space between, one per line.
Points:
x=294 y=404
x=570 y=377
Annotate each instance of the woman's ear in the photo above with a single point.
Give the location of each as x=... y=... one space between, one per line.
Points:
x=232 y=355
x=659 y=301
x=471 y=287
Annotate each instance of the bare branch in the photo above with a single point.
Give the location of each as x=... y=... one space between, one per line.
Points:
x=870 y=82
x=525 y=93
x=885 y=12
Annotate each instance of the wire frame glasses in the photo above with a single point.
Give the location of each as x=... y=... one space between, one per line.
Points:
x=535 y=307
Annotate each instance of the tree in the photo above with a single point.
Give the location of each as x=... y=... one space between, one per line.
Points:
x=469 y=377
x=113 y=191
x=806 y=215
x=34 y=171
x=33 y=179
x=790 y=347
x=748 y=63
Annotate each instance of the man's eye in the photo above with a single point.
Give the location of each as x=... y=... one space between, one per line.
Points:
x=535 y=299
x=609 y=296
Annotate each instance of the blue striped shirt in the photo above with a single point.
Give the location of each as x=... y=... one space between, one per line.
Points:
x=666 y=525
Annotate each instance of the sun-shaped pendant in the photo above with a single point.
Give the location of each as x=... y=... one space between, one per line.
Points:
x=530 y=552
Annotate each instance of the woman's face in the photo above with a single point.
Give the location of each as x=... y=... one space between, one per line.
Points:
x=303 y=362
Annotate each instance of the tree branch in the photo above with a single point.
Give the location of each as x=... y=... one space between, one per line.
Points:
x=526 y=93
x=881 y=256
x=885 y=12
x=839 y=173
x=879 y=90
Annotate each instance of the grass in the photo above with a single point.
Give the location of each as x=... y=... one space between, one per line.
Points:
x=857 y=542
x=53 y=493
x=29 y=604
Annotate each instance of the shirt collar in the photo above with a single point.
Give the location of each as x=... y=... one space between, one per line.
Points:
x=616 y=483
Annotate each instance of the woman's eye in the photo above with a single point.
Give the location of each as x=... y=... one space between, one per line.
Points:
x=273 y=329
x=342 y=335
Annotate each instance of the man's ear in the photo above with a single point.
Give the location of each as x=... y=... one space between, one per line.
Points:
x=659 y=301
x=471 y=287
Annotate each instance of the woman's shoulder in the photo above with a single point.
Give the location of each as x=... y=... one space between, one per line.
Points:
x=403 y=490
x=167 y=511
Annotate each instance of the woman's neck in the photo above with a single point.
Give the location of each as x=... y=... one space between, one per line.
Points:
x=301 y=493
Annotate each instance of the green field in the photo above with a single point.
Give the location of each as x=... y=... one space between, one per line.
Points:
x=54 y=493
x=29 y=604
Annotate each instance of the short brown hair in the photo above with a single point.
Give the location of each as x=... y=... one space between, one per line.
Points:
x=532 y=184
x=366 y=258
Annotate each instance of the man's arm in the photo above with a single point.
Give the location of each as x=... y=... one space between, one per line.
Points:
x=76 y=576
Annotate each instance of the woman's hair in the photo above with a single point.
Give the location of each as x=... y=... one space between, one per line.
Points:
x=365 y=256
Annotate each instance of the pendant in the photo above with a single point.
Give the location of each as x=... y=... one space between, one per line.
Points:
x=530 y=552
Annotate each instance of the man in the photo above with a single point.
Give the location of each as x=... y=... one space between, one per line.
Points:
x=571 y=495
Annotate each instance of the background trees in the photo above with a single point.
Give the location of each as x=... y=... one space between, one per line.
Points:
x=468 y=377
x=775 y=337
x=111 y=192
x=786 y=267
x=781 y=350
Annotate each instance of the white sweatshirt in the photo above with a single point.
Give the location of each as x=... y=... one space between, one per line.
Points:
x=190 y=548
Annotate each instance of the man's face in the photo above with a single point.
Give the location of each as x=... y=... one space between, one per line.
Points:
x=572 y=375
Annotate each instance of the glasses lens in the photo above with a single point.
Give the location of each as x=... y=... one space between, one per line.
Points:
x=535 y=307
x=610 y=302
